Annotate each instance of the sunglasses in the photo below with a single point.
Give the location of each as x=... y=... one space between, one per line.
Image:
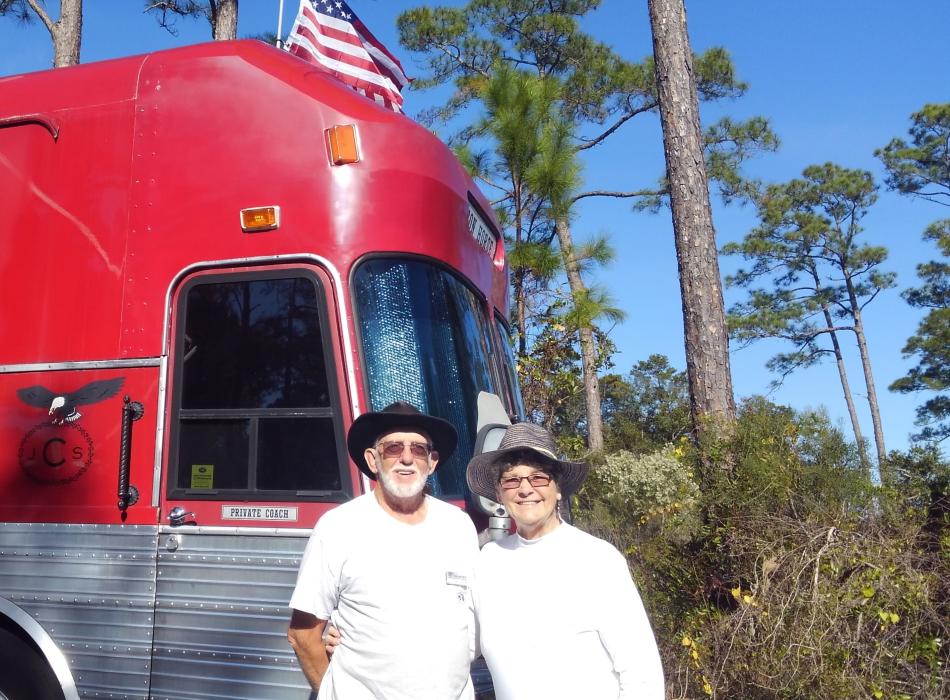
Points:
x=393 y=448
x=537 y=480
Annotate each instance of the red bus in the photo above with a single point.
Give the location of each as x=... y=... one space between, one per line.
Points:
x=213 y=259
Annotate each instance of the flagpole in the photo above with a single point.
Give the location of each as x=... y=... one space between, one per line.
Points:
x=280 y=18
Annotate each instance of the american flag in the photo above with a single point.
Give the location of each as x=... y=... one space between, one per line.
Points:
x=328 y=34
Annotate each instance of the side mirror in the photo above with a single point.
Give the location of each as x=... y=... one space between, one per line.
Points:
x=493 y=422
x=487 y=439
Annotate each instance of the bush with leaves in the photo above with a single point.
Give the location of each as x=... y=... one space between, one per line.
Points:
x=777 y=460
x=646 y=409
x=648 y=507
x=833 y=608
x=641 y=487
x=799 y=578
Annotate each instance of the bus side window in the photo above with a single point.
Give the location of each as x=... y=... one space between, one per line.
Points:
x=256 y=412
x=425 y=340
x=509 y=371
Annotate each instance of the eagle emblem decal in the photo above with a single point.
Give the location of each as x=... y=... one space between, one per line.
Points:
x=58 y=451
x=64 y=408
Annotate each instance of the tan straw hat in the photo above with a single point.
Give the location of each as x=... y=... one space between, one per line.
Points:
x=482 y=472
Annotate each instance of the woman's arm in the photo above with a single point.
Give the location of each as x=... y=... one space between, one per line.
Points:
x=627 y=636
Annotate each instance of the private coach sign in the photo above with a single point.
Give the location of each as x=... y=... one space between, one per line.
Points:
x=270 y=513
x=483 y=235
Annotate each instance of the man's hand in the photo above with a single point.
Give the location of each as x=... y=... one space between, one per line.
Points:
x=306 y=637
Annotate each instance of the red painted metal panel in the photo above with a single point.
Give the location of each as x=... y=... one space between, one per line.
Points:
x=153 y=159
x=148 y=177
x=68 y=472
x=221 y=129
x=85 y=85
x=63 y=251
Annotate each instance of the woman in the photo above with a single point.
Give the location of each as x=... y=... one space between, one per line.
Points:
x=558 y=614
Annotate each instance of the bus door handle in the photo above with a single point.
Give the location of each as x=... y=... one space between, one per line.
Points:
x=178 y=516
x=128 y=495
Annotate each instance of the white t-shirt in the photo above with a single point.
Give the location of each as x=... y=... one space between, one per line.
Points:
x=561 y=619
x=401 y=597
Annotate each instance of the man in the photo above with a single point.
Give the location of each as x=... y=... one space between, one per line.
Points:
x=394 y=568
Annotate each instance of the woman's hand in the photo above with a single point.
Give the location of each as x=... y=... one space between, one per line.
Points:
x=331 y=638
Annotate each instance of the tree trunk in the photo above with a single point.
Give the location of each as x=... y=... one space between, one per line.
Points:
x=595 y=429
x=520 y=274
x=704 y=318
x=517 y=287
x=869 y=382
x=66 y=32
x=224 y=19
x=846 y=388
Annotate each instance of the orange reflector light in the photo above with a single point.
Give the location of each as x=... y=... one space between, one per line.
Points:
x=260 y=219
x=343 y=146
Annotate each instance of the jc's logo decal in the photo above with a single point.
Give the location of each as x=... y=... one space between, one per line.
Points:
x=53 y=454
x=59 y=450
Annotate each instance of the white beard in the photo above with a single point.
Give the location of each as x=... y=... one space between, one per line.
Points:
x=401 y=490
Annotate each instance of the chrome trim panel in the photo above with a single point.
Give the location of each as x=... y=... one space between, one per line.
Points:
x=221 y=615
x=236 y=530
x=84 y=364
x=159 y=430
x=205 y=620
x=92 y=589
x=54 y=657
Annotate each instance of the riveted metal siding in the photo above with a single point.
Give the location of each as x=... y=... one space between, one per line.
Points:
x=221 y=618
x=92 y=588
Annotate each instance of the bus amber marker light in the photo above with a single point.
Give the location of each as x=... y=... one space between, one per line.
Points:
x=260 y=219
x=343 y=146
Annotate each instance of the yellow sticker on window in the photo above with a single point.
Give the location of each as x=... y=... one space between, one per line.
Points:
x=202 y=476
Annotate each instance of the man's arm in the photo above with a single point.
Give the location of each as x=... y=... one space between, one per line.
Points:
x=306 y=638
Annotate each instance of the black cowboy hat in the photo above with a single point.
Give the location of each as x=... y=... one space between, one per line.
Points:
x=482 y=471
x=368 y=427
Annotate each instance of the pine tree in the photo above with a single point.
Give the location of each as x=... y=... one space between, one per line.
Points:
x=600 y=91
x=922 y=169
x=66 y=32
x=222 y=15
x=818 y=275
x=704 y=318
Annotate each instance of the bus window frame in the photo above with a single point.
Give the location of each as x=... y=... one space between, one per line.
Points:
x=486 y=308
x=336 y=382
x=512 y=394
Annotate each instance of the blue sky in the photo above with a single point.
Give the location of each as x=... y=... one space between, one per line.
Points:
x=836 y=79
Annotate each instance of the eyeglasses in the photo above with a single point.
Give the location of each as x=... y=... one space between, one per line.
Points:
x=537 y=480
x=392 y=449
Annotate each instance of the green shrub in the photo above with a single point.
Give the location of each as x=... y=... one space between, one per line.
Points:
x=639 y=486
x=772 y=567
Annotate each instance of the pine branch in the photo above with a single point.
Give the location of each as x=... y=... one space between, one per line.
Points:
x=590 y=143
x=608 y=193
x=41 y=13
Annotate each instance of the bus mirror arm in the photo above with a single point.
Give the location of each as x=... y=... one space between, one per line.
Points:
x=128 y=495
x=499 y=523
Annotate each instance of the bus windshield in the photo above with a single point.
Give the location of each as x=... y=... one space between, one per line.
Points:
x=425 y=339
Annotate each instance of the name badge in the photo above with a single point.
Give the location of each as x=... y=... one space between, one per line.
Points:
x=454 y=579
